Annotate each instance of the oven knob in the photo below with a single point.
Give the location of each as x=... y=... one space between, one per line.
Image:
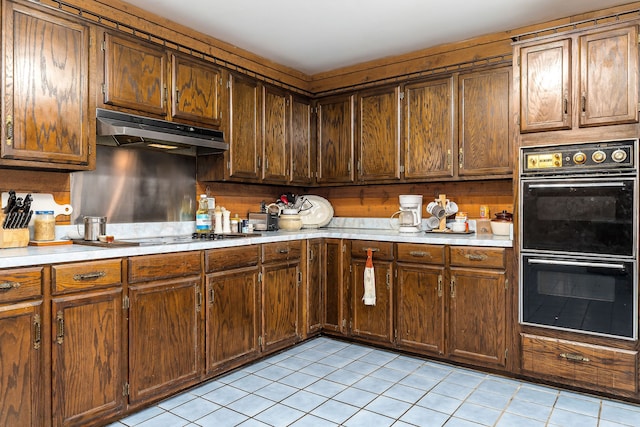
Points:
x=619 y=156
x=598 y=156
x=579 y=158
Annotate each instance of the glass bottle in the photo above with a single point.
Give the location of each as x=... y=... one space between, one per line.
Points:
x=203 y=219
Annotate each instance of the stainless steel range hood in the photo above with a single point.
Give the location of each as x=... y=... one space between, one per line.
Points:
x=127 y=130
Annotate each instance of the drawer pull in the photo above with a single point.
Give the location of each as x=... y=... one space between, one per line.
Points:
x=283 y=251
x=574 y=357
x=60 y=327
x=370 y=249
x=475 y=257
x=89 y=276
x=7 y=286
x=419 y=254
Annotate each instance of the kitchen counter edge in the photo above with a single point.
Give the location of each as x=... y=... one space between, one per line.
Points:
x=40 y=255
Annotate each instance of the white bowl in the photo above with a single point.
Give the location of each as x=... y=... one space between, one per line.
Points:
x=458 y=226
x=501 y=228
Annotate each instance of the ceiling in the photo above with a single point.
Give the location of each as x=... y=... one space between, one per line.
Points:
x=314 y=36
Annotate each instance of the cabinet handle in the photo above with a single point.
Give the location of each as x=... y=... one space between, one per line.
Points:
x=388 y=279
x=419 y=254
x=371 y=249
x=574 y=357
x=212 y=295
x=60 y=325
x=89 y=276
x=7 y=286
x=583 y=103
x=461 y=158
x=283 y=251
x=565 y=105
x=198 y=300
x=9 y=130
x=452 y=286
x=448 y=159
x=36 y=332
x=439 y=285
x=177 y=96
x=475 y=257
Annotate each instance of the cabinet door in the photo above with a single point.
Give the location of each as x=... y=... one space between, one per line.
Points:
x=135 y=75
x=477 y=316
x=47 y=119
x=275 y=135
x=313 y=299
x=21 y=365
x=545 y=86
x=87 y=357
x=335 y=140
x=244 y=128
x=302 y=149
x=280 y=305
x=485 y=141
x=378 y=135
x=609 y=77
x=420 y=307
x=335 y=286
x=164 y=338
x=195 y=91
x=373 y=322
x=429 y=129
x=231 y=317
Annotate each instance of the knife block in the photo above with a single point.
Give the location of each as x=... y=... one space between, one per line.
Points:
x=13 y=238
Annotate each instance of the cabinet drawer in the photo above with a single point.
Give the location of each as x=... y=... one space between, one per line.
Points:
x=163 y=266
x=228 y=258
x=419 y=253
x=604 y=367
x=20 y=283
x=282 y=251
x=80 y=276
x=470 y=256
x=381 y=250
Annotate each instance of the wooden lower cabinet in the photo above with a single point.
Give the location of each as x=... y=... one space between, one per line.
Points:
x=595 y=367
x=335 y=287
x=478 y=310
x=165 y=336
x=312 y=298
x=22 y=403
x=280 y=281
x=372 y=322
x=420 y=298
x=87 y=353
x=232 y=307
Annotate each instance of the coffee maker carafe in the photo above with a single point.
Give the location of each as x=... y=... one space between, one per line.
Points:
x=410 y=214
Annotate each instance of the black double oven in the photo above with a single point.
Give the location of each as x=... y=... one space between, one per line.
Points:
x=578 y=210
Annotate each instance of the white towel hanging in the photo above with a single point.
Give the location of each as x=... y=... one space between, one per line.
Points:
x=369 y=296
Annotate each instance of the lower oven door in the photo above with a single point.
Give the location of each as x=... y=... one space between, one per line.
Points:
x=579 y=294
x=585 y=216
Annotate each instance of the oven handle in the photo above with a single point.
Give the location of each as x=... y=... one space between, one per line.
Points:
x=578 y=184
x=575 y=263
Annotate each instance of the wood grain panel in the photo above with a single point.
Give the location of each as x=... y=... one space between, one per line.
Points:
x=163 y=266
x=216 y=260
x=20 y=283
x=196 y=90
x=335 y=140
x=275 y=135
x=81 y=276
x=420 y=253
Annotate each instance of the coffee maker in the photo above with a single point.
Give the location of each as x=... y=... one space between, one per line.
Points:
x=409 y=215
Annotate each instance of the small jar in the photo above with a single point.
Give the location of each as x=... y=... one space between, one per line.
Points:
x=44 y=226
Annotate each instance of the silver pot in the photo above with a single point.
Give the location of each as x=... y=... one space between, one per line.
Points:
x=94 y=226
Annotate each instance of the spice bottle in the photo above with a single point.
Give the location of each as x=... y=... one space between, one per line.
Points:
x=203 y=220
x=44 y=226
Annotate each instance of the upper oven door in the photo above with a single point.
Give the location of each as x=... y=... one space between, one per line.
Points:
x=583 y=216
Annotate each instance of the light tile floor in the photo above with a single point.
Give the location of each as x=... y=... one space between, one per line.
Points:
x=327 y=382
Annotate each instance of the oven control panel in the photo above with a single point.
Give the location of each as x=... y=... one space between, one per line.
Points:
x=576 y=158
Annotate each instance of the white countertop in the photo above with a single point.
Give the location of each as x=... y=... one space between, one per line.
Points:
x=39 y=255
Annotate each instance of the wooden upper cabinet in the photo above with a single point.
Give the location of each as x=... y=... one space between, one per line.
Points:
x=581 y=79
x=485 y=140
x=275 y=135
x=244 y=128
x=196 y=88
x=135 y=74
x=429 y=117
x=335 y=139
x=378 y=135
x=609 y=77
x=48 y=116
x=302 y=147
x=545 y=86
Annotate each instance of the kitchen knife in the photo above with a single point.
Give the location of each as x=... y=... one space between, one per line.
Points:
x=10 y=202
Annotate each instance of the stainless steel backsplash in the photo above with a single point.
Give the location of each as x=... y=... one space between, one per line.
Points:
x=131 y=185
